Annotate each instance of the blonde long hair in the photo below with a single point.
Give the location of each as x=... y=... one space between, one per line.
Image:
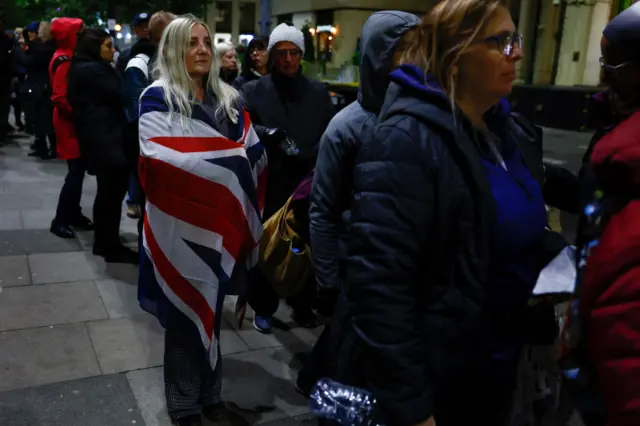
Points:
x=445 y=34
x=179 y=87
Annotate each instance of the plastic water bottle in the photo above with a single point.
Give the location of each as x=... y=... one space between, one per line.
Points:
x=346 y=405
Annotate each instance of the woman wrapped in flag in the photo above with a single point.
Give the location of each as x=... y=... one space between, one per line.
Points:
x=203 y=170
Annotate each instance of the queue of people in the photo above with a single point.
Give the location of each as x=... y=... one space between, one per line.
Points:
x=415 y=218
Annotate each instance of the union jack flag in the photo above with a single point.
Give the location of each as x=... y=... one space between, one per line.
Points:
x=205 y=195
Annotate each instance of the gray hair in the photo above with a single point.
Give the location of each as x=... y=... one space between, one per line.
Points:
x=171 y=71
x=224 y=48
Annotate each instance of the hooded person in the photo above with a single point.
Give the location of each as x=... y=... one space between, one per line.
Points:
x=380 y=45
x=609 y=293
x=381 y=39
x=288 y=110
x=64 y=32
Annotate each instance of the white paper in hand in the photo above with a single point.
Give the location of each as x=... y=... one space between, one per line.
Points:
x=559 y=276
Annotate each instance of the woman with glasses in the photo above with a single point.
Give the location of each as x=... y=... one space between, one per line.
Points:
x=447 y=230
x=255 y=62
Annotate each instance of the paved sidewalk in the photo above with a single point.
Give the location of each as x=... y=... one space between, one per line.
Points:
x=75 y=348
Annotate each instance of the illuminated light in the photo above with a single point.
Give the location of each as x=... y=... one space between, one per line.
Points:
x=119 y=36
x=333 y=30
x=330 y=38
x=118 y=27
x=128 y=36
x=312 y=31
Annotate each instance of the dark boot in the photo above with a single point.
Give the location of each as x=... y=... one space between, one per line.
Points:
x=62 y=231
x=120 y=254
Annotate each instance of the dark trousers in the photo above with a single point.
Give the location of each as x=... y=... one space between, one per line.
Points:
x=69 y=210
x=107 y=208
x=44 y=126
x=135 y=191
x=190 y=383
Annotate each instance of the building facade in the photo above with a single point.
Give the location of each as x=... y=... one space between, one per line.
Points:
x=562 y=40
x=335 y=25
x=235 y=21
x=561 y=37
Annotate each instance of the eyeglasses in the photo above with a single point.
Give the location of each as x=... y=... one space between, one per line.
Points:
x=283 y=53
x=506 y=41
x=612 y=70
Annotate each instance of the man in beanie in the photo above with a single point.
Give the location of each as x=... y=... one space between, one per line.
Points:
x=285 y=106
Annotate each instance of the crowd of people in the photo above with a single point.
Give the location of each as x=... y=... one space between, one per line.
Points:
x=412 y=224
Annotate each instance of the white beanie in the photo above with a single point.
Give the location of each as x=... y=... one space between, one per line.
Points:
x=284 y=32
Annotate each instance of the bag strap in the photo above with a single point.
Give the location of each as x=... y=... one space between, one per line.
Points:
x=57 y=62
x=282 y=222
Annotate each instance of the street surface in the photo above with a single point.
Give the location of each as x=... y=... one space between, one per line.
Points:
x=75 y=348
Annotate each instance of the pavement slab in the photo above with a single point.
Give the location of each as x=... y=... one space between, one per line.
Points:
x=31 y=241
x=65 y=267
x=120 y=298
x=14 y=271
x=127 y=344
x=95 y=401
x=10 y=220
x=50 y=304
x=45 y=355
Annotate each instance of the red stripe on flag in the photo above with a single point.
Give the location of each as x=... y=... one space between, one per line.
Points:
x=199 y=202
x=195 y=144
x=178 y=284
x=247 y=124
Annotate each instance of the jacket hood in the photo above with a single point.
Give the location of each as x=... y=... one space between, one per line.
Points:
x=416 y=93
x=616 y=158
x=380 y=37
x=65 y=32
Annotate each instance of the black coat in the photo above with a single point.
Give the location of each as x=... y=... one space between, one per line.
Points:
x=413 y=326
x=98 y=114
x=37 y=60
x=300 y=107
x=244 y=78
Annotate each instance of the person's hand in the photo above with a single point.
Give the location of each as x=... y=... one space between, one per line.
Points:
x=430 y=422
x=275 y=135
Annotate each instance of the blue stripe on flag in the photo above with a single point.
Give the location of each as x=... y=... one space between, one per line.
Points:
x=211 y=257
x=238 y=165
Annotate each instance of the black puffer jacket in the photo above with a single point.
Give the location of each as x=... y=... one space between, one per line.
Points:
x=98 y=113
x=419 y=259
